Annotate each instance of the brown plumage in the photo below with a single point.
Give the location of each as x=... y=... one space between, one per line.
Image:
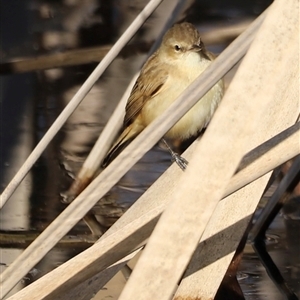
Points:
x=180 y=59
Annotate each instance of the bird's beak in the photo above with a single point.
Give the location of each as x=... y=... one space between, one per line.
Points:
x=196 y=48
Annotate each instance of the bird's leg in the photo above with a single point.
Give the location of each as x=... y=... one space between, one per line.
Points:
x=180 y=161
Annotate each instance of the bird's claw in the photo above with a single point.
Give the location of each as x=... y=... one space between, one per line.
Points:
x=180 y=161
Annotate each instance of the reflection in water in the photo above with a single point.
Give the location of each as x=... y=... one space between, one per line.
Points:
x=41 y=96
x=282 y=240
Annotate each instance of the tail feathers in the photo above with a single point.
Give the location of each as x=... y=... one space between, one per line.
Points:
x=125 y=138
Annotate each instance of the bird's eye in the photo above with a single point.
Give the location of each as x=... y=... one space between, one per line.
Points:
x=177 y=48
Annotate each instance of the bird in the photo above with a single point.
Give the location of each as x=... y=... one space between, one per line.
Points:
x=178 y=61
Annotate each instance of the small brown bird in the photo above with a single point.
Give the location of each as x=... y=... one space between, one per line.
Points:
x=180 y=59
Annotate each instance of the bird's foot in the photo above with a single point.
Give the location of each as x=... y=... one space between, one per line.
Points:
x=180 y=161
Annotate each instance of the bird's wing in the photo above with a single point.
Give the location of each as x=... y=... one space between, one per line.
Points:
x=150 y=82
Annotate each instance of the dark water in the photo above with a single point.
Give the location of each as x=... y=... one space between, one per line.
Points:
x=282 y=243
x=30 y=102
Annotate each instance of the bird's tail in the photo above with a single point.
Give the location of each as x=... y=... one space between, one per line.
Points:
x=128 y=134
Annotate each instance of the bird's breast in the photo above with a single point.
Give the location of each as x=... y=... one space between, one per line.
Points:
x=198 y=116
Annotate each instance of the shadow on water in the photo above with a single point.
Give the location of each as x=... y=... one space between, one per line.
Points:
x=30 y=103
